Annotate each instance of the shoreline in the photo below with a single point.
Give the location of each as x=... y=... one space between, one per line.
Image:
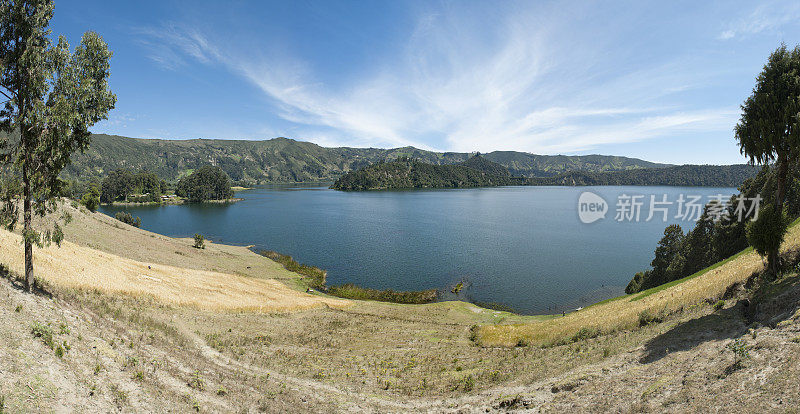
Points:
x=170 y=202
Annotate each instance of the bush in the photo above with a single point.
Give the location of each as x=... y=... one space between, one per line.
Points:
x=127 y=218
x=766 y=233
x=199 y=241
x=91 y=199
x=646 y=317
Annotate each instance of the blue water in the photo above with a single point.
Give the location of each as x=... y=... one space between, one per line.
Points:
x=521 y=246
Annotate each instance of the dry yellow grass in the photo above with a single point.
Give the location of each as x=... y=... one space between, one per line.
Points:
x=624 y=313
x=76 y=267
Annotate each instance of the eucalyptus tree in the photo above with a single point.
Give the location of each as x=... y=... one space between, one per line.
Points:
x=52 y=96
x=769 y=132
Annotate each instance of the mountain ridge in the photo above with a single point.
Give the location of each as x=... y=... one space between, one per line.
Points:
x=288 y=160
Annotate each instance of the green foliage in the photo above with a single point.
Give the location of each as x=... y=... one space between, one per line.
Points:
x=479 y=172
x=740 y=349
x=43 y=332
x=502 y=307
x=712 y=242
x=196 y=381
x=585 y=333
x=350 y=291
x=316 y=275
x=206 y=183
x=766 y=233
x=125 y=185
x=127 y=218
x=199 y=241
x=47 y=111
x=91 y=199
x=647 y=317
x=408 y=173
x=719 y=305
x=287 y=160
x=769 y=132
x=683 y=175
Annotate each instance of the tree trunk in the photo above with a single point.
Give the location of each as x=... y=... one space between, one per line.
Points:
x=27 y=229
x=783 y=170
x=772 y=262
x=780 y=194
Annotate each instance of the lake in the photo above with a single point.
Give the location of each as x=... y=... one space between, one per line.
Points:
x=521 y=246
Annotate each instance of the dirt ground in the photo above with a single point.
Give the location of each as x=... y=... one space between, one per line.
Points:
x=84 y=350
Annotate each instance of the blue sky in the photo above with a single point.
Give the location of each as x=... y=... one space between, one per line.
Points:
x=661 y=81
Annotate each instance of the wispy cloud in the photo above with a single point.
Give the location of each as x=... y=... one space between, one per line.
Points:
x=767 y=16
x=454 y=87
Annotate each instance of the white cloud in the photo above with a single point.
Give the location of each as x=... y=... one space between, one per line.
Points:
x=765 y=17
x=456 y=87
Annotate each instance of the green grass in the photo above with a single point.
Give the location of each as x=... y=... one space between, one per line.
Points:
x=659 y=288
x=350 y=291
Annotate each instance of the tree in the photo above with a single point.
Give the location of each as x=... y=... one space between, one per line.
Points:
x=199 y=241
x=668 y=261
x=769 y=128
x=206 y=183
x=766 y=233
x=52 y=97
x=91 y=199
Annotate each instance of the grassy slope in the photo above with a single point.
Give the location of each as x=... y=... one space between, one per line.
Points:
x=623 y=312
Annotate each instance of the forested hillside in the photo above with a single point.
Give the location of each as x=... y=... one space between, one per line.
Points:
x=682 y=175
x=287 y=160
x=406 y=173
x=480 y=172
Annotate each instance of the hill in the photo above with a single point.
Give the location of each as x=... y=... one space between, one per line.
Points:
x=478 y=171
x=405 y=173
x=287 y=160
x=682 y=175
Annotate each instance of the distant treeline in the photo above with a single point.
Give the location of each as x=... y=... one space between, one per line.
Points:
x=680 y=254
x=286 y=160
x=683 y=175
x=408 y=173
x=405 y=173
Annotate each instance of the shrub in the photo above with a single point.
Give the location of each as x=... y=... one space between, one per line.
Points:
x=351 y=291
x=739 y=349
x=199 y=241
x=127 y=218
x=91 y=199
x=766 y=234
x=646 y=317
x=719 y=305
x=585 y=333
x=197 y=382
x=43 y=332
